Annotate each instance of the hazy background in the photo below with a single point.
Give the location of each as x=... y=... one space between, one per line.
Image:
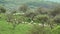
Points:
x=31 y=3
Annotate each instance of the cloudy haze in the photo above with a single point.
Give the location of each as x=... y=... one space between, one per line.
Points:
x=53 y=0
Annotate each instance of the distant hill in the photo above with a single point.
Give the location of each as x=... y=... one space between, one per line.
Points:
x=46 y=4
x=31 y=3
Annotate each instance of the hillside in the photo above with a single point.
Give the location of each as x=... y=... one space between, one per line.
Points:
x=30 y=3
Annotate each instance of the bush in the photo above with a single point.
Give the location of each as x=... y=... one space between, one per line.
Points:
x=56 y=30
x=36 y=29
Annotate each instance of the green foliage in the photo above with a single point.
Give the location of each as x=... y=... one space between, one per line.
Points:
x=23 y=8
x=56 y=30
x=41 y=18
x=2 y=9
x=57 y=19
x=17 y=23
x=36 y=29
x=55 y=12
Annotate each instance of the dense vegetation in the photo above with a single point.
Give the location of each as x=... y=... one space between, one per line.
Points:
x=30 y=21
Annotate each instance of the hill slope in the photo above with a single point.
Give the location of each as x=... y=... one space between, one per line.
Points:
x=30 y=3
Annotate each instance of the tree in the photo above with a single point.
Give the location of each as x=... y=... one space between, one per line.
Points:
x=2 y=9
x=57 y=19
x=51 y=23
x=43 y=19
x=55 y=12
x=30 y=16
x=23 y=8
x=14 y=20
x=41 y=10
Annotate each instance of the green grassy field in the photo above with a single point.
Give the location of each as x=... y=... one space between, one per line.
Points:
x=7 y=28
